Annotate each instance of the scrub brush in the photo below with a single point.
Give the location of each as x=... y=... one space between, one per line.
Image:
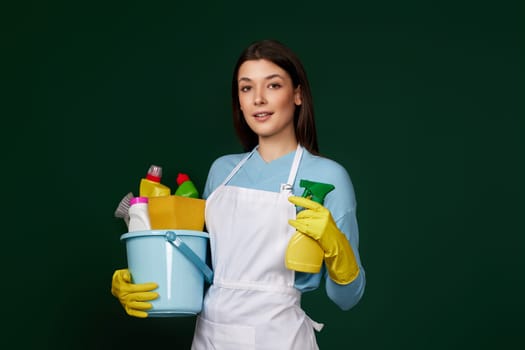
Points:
x=122 y=210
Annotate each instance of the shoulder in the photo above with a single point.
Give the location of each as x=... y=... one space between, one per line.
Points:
x=326 y=170
x=226 y=162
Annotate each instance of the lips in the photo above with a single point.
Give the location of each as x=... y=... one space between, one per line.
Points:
x=263 y=115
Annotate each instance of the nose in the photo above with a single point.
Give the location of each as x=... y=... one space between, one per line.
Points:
x=259 y=98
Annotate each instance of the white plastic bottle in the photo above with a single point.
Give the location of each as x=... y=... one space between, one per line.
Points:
x=138 y=214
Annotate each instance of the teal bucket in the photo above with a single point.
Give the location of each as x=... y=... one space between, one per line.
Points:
x=174 y=259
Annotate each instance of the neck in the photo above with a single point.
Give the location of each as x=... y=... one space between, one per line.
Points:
x=271 y=150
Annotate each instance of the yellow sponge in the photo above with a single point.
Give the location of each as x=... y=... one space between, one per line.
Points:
x=176 y=212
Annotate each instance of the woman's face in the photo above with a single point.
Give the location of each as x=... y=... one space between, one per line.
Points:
x=267 y=99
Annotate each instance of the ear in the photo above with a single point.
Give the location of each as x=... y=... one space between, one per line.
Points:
x=298 y=96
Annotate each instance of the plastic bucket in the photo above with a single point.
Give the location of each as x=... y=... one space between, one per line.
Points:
x=169 y=258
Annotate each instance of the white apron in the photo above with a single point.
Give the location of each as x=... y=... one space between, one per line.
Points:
x=252 y=303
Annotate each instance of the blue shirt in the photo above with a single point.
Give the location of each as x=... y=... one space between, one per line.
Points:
x=258 y=174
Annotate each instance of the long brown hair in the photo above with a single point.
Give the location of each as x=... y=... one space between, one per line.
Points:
x=304 y=121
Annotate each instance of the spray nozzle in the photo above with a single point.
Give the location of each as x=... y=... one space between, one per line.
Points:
x=315 y=191
x=181 y=178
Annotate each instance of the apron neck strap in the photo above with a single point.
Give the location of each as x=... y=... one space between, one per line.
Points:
x=295 y=165
x=238 y=166
x=293 y=169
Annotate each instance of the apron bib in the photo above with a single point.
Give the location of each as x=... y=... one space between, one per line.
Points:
x=252 y=303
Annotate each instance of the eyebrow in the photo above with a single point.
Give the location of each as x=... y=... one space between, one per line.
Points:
x=271 y=76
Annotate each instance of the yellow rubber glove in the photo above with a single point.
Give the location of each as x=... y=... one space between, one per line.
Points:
x=133 y=297
x=316 y=221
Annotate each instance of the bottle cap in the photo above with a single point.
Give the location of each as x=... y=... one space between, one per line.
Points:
x=182 y=178
x=136 y=200
x=154 y=173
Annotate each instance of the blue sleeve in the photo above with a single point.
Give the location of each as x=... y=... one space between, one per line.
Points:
x=211 y=181
x=342 y=205
x=343 y=208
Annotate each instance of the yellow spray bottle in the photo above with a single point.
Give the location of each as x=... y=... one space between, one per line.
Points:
x=303 y=253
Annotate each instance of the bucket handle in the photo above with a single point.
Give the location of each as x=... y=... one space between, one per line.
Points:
x=175 y=241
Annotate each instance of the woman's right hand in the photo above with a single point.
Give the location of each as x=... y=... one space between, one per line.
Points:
x=133 y=297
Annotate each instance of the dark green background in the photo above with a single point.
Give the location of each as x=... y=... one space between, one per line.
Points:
x=421 y=101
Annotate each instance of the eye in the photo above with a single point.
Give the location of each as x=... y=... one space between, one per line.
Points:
x=274 y=86
x=245 y=88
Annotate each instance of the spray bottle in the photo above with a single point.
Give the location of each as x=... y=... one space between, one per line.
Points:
x=186 y=187
x=150 y=186
x=303 y=253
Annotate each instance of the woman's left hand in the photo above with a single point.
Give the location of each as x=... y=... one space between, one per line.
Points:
x=317 y=222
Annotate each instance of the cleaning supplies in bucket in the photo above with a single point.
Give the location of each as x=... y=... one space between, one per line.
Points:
x=174 y=259
x=165 y=243
x=303 y=253
x=183 y=210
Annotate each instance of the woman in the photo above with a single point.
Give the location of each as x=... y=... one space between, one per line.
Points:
x=254 y=301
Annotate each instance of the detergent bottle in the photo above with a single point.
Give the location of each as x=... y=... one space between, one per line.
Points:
x=150 y=186
x=186 y=187
x=138 y=214
x=303 y=253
